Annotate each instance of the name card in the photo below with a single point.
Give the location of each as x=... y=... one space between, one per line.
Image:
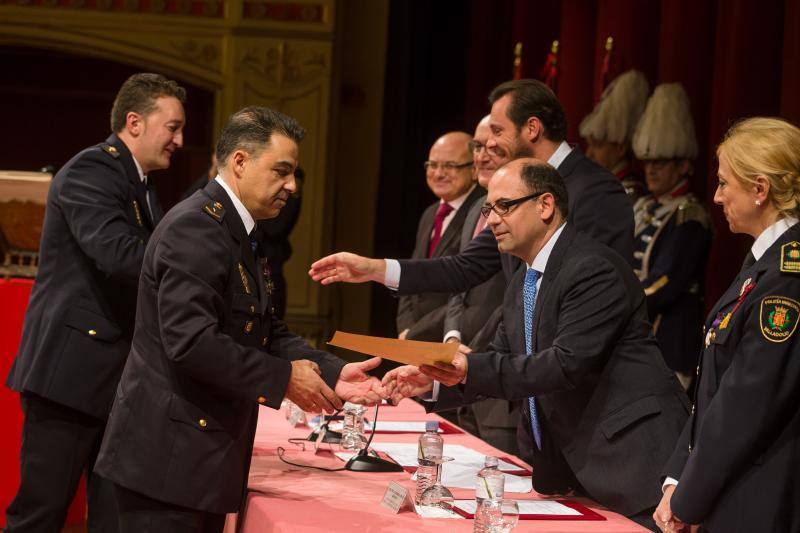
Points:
x=397 y=498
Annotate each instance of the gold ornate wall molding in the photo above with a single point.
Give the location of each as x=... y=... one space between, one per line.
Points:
x=246 y=52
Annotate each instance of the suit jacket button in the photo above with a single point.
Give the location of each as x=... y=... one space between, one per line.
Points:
x=248 y=326
x=252 y=308
x=92 y=333
x=264 y=341
x=262 y=400
x=202 y=422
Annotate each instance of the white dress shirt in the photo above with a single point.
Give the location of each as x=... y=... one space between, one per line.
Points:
x=244 y=214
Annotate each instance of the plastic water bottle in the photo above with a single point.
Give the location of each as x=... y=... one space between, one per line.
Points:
x=489 y=488
x=353 y=428
x=429 y=452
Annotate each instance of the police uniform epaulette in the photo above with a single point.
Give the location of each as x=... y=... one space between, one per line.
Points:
x=790 y=258
x=110 y=150
x=215 y=210
x=691 y=209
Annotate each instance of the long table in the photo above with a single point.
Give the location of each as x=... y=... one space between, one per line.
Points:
x=284 y=498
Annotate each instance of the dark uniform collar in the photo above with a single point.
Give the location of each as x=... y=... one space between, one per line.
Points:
x=126 y=158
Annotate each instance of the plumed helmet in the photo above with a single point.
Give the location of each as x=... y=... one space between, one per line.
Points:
x=666 y=129
x=615 y=116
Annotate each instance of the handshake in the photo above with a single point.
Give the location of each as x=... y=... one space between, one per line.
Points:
x=308 y=390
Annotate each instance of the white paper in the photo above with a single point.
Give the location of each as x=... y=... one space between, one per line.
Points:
x=546 y=507
x=387 y=425
x=435 y=512
x=463 y=477
x=459 y=473
x=406 y=455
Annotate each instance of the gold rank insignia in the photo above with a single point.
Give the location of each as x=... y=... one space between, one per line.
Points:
x=778 y=317
x=110 y=150
x=215 y=210
x=245 y=283
x=136 y=211
x=790 y=257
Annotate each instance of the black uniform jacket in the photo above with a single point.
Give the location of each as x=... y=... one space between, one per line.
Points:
x=673 y=239
x=743 y=470
x=79 y=322
x=423 y=314
x=609 y=407
x=205 y=354
x=598 y=207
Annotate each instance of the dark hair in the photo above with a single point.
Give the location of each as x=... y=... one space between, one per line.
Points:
x=251 y=128
x=532 y=98
x=541 y=177
x=139 y=94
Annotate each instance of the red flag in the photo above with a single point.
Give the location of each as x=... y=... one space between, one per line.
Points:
x=605 y=72
x=549 y=72
x=517 y=62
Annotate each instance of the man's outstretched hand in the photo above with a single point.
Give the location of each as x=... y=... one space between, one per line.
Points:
x=404 y=382
x=356 y=386
x=347 y=267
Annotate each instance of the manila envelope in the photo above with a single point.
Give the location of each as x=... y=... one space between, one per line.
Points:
x=409 y=352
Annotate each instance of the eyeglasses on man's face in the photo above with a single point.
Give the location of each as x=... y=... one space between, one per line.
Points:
x=446 y=166
x=503 y=207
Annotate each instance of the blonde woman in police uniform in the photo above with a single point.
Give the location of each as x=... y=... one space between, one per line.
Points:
x=736 y=467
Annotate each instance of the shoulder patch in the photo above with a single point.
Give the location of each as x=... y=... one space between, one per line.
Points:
x=779 y=318
x=215 y=210
x=692 y=209
x=110 y=150
x=790 y=257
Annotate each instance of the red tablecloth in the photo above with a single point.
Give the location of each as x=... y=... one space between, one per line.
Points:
x=14 y=294
x=289 y=499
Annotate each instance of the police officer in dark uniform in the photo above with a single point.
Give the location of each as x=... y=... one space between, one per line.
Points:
x=736 y=466
x=208 y=351
x=78 y=326
x=673 y=229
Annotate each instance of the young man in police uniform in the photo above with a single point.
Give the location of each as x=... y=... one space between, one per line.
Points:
x=207 y=349
x=78 y=327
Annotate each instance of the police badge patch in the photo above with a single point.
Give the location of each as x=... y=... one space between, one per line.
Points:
x=778 y=317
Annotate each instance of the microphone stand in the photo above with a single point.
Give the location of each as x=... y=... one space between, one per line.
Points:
x=330 y=436
x=364 y=462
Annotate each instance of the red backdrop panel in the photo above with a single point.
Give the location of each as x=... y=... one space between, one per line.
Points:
x=14 y=294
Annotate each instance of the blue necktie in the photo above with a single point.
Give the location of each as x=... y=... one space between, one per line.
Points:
x=529 y=302
x=253 y=242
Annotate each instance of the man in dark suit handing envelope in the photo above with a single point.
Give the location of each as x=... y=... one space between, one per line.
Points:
x=601 y=410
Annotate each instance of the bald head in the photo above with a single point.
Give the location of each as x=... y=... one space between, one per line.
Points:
x=449 y=173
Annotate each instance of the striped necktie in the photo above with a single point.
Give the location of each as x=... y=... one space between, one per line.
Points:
x=529 y=303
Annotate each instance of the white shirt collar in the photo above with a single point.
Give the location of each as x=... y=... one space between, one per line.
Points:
x=244 y=214
x=458 y=202
x=561 y=153
x=770 y=235
x=142 y=175
x=540 y=261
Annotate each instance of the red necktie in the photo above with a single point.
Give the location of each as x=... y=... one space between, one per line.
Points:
x=479 y=226
x=441 y=213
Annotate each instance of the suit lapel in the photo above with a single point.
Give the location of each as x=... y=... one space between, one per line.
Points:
x=236 y=227
x=453 y=228
x=140 y=190
x=549 y=277
x=471 y=220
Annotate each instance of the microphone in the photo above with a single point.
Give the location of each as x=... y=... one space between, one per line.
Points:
x=364 y=462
